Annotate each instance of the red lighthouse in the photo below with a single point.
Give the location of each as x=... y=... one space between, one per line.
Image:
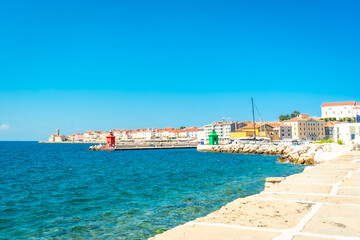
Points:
x=110 y=140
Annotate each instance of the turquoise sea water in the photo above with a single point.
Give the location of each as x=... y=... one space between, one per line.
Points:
x=64 y=191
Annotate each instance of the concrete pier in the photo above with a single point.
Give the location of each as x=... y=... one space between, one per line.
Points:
x=143 y=147
x=321 y=203
x=139 y=147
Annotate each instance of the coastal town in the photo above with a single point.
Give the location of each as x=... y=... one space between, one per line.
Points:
x=339 y=122
x=180 y=120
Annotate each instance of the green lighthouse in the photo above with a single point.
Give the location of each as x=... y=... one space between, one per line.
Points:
x=213 y=138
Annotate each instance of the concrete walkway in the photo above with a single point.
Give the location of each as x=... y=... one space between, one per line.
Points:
x=321 y=203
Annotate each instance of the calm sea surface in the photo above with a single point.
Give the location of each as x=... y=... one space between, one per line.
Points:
x=64 y=191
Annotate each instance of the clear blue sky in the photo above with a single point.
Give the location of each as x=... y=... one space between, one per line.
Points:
x=88 y=65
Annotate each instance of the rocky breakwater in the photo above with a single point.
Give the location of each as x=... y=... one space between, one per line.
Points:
x=99 y=147
x=300 y=154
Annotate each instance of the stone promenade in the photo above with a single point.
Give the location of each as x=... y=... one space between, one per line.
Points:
x=321 y=203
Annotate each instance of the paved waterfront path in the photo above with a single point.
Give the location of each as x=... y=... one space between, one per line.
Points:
x=321 y=203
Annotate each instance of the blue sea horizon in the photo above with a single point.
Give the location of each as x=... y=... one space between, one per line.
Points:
x=62 y=191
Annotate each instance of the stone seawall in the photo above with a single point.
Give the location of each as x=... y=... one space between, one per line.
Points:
x=301 y=154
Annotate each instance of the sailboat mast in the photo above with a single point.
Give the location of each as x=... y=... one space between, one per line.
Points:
x=252 y=103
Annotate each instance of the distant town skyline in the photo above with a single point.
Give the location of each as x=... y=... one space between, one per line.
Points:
x=80 y=65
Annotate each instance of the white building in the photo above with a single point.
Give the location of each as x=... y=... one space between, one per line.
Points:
x=172 y=134
x=347 y=132
x=340 y=110
x=56 y=138
x=89 y=136
x=192 y=132
x=222 y=129
x=201 y=135
x=182 y=134
x=145 y=134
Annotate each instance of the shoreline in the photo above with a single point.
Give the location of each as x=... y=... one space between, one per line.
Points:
x=301 y=206
x=307 y=154
x=72 y=142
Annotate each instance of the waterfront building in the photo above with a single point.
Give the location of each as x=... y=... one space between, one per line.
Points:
x=52 y=137
x=145 y=134
x=306 y=128
x=260 y=130
x=56 y=137
x=239 y=125
x=159 y=133
x=78 y=137
x=201 y=135
x=102 y=136
x=340 y=110
x=89 y=136
x=282 y=130
x=347 y=132
x=191 y=132
x=173 y=134
x=117 y=133
x=329 y=130
x=182 y=133
x=165 y=134
x=71 y=137
x=126 y=135
x=223 y=129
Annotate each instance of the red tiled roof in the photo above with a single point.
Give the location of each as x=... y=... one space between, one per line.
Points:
x=296 y=119
x=338 y=104
x=222 y=123
x=251 y=126
x=300 y=119
x=277 y=124
x=331 y=124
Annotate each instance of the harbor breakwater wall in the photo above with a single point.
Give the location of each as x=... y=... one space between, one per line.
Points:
x=300 y=154
x=143 y=146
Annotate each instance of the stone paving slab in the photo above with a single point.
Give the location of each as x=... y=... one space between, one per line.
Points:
x=313 y=179
x=343 y=167
x=299 y=188
x=198 y=232
x=350 y=192
x=338 y=199
x=299 y=237
x=351 y=182
x=325 y=172
x=340 y=164
x=335 y=220
x=321 y=203
x=355 y=175
x=259 y=213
